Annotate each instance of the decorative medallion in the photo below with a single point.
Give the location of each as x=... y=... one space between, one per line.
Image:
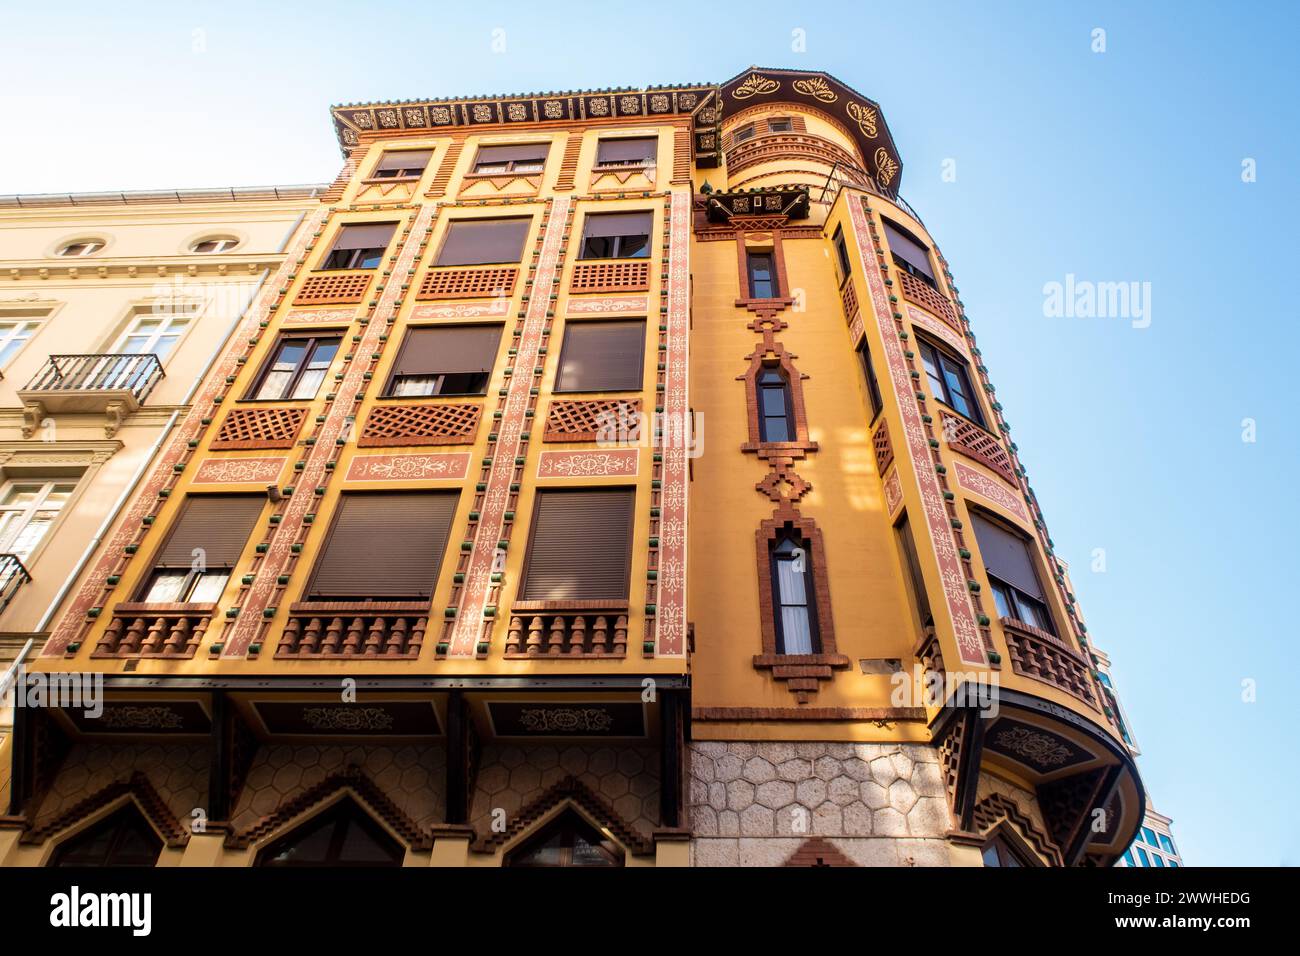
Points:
x=818 y=89
x=612 y=719
x=865 y=117
x=886 y=167
x=408 y=467
x=754 y=85
x=390 y=718
x=1043 y=751
x=588 y=464
x=994 y=491
x=260 y=471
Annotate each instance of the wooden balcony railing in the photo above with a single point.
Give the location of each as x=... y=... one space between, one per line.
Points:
x=598 y=631
x=155 y=630
x=135 y=375
x=13 y=575
x=921 y=293
x=978 y=444
x=1045 y=657
x=351 y=629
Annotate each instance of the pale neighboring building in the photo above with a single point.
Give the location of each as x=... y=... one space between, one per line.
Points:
x=1154 y=844
x=112 y=308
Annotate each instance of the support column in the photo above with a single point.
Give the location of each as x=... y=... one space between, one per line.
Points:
x=670 y=758
x=458 y=743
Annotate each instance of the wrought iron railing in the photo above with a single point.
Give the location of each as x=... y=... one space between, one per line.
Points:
x=13 y=575
x=101 y=372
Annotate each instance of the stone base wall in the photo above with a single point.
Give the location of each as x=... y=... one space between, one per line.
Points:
x=756 y=804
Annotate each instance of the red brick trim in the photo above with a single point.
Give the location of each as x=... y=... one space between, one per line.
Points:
x=139 y=789
x=997 y=809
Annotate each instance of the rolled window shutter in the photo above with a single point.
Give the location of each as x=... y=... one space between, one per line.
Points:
x=525 y=153
x=371 y=235
x=218 y=524
x=1006 y=556
x=404 y=159
x=580 y=546
x=602 y=356
x=454 y=349
x=472 y=242
x=617 y=224
x=906 y=247
x=384 y=545
x=638 y=149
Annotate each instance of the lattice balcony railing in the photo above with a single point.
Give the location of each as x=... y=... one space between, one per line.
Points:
x=155 y=630
x=338 y=629
x=420 y=425
x=881 y=445
x=969 y=439
x=1043 y=656
x=928 y=298
x=333 y=288
x=574 y=633
x=591 y=419
x=259 y=428
x=467 y=283
x=611 y=276
x=850 y=300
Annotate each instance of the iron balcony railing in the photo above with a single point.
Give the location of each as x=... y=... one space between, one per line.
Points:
x=13 y=575
x=102 y=372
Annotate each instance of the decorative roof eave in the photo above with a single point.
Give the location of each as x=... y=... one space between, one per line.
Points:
x=788 y=201
x=698 y=101
x=861 y=116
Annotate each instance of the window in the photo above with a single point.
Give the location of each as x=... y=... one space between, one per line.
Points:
x=869 y=373
x=124 y=838
x=360 y=246
x=202 y=548
x=638 y=151
x=744 y=133
x=384 y=546
x=616 y=235
x=568 y=840
x=950 y=381
x=445 y=360
x=780 y=124
x=775 y=410
x=27 y=510
x=1128 y=858
x=84 y=247
x=296 y=369
x=343 y=835
x=1167 y=845
x=1149 y=836
x=402 y=164
x=910 y=254
x=150 y=333
x=912 y=566
x=517 y=160
x=1142 y=856
x=473 y=242
x=792 y=590
x=1016 y=590
x=842 y=254
x=762 y=278
x=580 y=545
x=1000 y=853
x=13 y=336
x=602 y=357
x=215 y=244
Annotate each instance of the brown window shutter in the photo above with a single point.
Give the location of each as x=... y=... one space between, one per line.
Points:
x=637 y=149
x=908 y=248
x=524 y=153
x=404 y=159
x=219 y=524
x=580 y=546
x=448 y=349
x=1006 y=556
x=472 y=242
x=602 y=357
x=384 y=545
x=371 y=235
x=617 y=224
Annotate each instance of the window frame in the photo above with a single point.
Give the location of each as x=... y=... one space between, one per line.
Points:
x=619 y=240
x=773 y=279
x=510 y=169
x=313 y=340
x=1012 y=595
x=559 y=387
x=394 y=375
x=114 y=821
x=608 y=848
x=531 y=550
x=451 y=227
x=874 y=397
x=608 y=166
x=948 y=362
x=842 y=255
x=776 y=557
x=359 y=254
x=10 y=535
x=773 y=121
x=91 y=247
x=787 y=398
x=343 y=814
x=901 y=263
x=745 y=133
x=16 y=336
x=222 y=243
x=400 y=173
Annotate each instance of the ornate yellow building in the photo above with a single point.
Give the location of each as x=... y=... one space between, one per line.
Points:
x=605 y=478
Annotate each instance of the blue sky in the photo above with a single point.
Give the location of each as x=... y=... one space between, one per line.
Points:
x=1122 y=166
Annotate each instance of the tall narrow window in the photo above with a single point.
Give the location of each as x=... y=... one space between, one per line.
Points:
x=202 y=548
x=602 y=357
x=343 y=835
x=27 y=511
x=912 y=566
x=616 y=235
x=869 y=374
x=402 y=164
x=360 y=246
x=124 y=838
x=445 y=360
x=775 y=412
x=476 y=242
x=1007 y=558
x=384 y=546
x=13 y=336
x=910 y=254
x=579 y=546
x=616 y=153
x=296 y=369
x=794 y=604
x=950 y=381
x=511 y=160
x=841 y=254
x=762 y=276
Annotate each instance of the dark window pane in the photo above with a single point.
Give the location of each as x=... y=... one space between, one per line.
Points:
x=579 y=545
x=761 y=282
x=602 y=357
x=480 y=241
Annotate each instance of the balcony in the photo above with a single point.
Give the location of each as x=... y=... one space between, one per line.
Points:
x=1045 y=657
x=13 y=575
x=140 y=629
x=567 y=629
x=919 y=292
x=350 y=629
x=114 y=384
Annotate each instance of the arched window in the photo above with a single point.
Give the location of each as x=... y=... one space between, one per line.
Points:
x=793 y=595
x=568 y=840
x=124 y=838
x=775 y=410
x=343 y=835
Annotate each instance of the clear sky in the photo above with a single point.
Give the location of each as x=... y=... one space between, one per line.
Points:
x=1116 y=166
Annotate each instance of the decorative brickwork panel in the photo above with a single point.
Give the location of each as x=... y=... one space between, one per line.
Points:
x=260 y=428
x=420 y=425
x=977 y=444
x=884 y=450
x=586 y=420
x=611 y=277
x=1044 y=657
x=927 y=298
x=467 y=283
x=589 y=634
x=333 y=288
x=158 y=630
x=340 y=629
